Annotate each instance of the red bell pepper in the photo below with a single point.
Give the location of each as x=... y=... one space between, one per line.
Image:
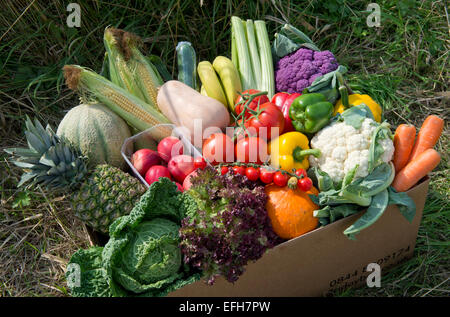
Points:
x=283 y=101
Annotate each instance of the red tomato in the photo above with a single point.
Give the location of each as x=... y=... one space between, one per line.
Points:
x=301 y=172
x=305 y=184
x=280 y=179
x=283 y=101
x=253 y=105
x=239 y=170
x=252 y=173
x=224 y=170
x=265 y=175
x=170 y=146
x=218 y=148
x=199 y=162
x=251 y=150
x=269 y=117
x=155 y=172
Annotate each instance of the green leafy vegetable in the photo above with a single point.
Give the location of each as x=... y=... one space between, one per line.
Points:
x=355 y=116
x=382 y=132
x=328 y=84
x=142 y=256
x=85 y=275
x=330 y=214
x=373 y=191
x=227 y=224
x=376 y=209
x=404 y=203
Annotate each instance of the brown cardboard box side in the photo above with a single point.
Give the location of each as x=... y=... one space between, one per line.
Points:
x=324 y=259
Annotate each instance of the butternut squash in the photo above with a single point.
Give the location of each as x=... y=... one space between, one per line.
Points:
x=182 y=104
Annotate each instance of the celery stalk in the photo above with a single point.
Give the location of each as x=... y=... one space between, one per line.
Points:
x=254 y=55
x=245 y=67
x=265 y=55
x=234 y=53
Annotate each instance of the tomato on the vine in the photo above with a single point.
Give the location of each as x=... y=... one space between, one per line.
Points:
x=301 y=172
x=252 y=173
x=280 y=179
x=239 y=170
x=265 y=175
x=251 y=150
x=218 y=148
x=224 y=170
x=261 y=122
x=305 y=184
x=240 y=103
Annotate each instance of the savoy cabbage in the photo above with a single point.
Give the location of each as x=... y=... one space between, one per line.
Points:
x=142 y=256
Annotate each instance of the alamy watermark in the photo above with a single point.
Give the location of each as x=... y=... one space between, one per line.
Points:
x=374 y=18
x=374 y=278
x=73 y=275
x=74 y=17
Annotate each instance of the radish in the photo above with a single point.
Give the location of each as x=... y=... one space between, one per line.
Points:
x=143 y=159
x=155 y=172
x=181 y=166
x=187 y=181
x=170 y=146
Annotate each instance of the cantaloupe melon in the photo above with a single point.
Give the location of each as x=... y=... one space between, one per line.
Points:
x=97 y=131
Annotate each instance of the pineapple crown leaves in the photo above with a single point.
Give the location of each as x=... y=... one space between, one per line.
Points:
x=49 y=160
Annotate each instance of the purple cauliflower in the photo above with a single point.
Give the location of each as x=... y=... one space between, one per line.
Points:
x=297 y=71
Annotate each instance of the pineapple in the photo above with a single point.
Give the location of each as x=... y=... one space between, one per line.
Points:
x=101 y=194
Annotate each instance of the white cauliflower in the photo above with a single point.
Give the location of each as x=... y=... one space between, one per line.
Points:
x=343 y=147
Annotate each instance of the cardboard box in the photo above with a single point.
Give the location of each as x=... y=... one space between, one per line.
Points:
x=314 y=264
x=324 y=260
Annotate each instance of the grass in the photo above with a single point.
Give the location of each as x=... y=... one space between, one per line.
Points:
x=403 y=64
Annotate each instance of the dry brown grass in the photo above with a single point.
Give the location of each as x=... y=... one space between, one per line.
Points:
x=36 y=240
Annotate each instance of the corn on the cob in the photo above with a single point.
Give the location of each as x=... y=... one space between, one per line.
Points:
x=132 y=109
x=131 y=69
x=119 y=71
x=146 y=78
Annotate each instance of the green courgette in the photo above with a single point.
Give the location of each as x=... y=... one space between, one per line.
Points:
x=187 y=64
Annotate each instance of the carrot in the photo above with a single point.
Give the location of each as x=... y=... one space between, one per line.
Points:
x=416 y=169
x=428 y=135
x=403 y=143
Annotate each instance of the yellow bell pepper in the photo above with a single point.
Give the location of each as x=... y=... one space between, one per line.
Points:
x=347 y=101
x=290 y=151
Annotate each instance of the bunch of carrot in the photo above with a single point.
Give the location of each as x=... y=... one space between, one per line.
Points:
x=415 y=158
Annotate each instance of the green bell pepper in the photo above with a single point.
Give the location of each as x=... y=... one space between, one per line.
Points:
x=310 y=112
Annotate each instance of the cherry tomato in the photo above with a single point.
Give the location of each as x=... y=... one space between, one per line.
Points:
x=305 y=184
x=251 y=150
x=252 y=173
x=218 y=148
x=224 y=170
x=239 y=170
x=265 y=175
x=253 y=105
x=269 y=118
x=280 y=179
x=199 y=162
x=301 y=172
